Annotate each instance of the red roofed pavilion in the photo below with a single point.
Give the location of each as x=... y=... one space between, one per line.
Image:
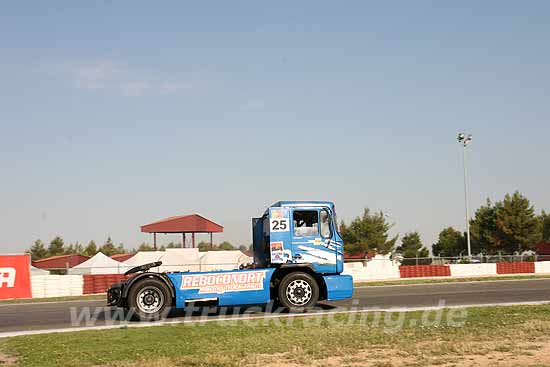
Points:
x=182 y=224
x=121 y=257
x=60 y=262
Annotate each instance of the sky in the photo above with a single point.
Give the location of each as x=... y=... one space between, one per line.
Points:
x=117 y=114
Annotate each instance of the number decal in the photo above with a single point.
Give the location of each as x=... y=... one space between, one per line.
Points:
x=279 y=225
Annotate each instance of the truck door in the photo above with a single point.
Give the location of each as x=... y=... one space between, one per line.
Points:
x=280 y=241
x=311 y=239
x=260 y=236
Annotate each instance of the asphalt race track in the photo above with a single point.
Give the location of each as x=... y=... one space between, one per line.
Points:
x=41 y=316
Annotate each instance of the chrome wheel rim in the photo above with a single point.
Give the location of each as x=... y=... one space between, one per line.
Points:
x=150 y=300
x=299 y=292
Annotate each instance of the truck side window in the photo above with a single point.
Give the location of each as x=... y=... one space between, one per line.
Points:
x=325 y=224
x=306 y=223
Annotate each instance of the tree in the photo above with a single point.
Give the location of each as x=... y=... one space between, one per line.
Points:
x=120 y=249
x=451 y=243
x=518 y=228
x=78 y=248
x=545 y=226
x=69 y=250
x=483 y=229
x=369 y=232
x=56 y=247
x=225 y=246
x=411 y=246
x=145 y=247
x=204 y=246
x=38 y=250
x=108 y=247
x=91 y=249
x=75 y=248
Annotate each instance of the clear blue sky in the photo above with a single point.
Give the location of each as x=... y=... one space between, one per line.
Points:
x=115 y=114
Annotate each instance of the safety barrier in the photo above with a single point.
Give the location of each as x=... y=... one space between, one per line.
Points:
x=99 y=283
x=542 y=267
x=472 y=270
x=44 y=286
x=388 y=270
x=516 y=268
x=424 y=271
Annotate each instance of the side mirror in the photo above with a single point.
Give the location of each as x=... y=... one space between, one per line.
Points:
x=326 y=224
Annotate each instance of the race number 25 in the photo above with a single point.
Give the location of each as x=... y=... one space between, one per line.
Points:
x=279 y=225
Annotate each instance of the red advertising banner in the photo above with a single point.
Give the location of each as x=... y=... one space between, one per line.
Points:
x=15 y=278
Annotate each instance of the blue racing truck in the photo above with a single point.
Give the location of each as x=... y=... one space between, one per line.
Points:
x=298 y=260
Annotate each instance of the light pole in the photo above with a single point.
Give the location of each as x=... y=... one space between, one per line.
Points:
x=465 y=140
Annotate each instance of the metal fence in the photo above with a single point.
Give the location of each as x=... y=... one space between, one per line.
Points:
x=477 y=259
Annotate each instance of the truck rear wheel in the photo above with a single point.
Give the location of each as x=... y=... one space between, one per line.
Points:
x=149 y=300
x=298 y=291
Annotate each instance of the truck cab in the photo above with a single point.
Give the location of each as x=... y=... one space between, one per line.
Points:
x=298 y=260
x=299 y=232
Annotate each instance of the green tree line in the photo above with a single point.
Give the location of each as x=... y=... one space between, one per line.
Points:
x=507 y=226
x=370 y=232
x=58 y=247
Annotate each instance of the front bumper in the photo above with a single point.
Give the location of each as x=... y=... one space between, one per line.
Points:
x=339 y=287
x=114 y=295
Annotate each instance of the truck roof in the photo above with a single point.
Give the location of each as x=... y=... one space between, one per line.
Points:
x=303 y=203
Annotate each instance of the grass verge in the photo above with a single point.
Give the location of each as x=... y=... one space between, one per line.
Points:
x=53 y=299
x=449 y=280
x=518 y=334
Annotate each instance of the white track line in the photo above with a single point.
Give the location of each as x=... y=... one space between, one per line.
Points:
x=249 y=318
x=53 y=302
x=361 y=287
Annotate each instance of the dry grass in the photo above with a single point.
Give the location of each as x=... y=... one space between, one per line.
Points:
x=472 y=355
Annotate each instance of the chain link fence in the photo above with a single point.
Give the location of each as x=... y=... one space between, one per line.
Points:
x=476 y=259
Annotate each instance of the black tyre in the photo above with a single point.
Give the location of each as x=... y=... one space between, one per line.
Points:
x=149 y=299
x=298 y=291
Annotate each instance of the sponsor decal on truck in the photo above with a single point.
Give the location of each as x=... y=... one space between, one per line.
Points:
x=277 y=252
x=224 y=282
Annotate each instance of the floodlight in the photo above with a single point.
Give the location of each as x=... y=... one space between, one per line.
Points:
x=464 y=140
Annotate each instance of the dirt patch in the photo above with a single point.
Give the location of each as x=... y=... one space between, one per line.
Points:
x=534 y=354
x=529 y=355
x=6 y=360
x=372 y=358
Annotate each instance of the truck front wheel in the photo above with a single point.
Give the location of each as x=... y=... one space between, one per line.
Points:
x=298 y=291
x=149 y=300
